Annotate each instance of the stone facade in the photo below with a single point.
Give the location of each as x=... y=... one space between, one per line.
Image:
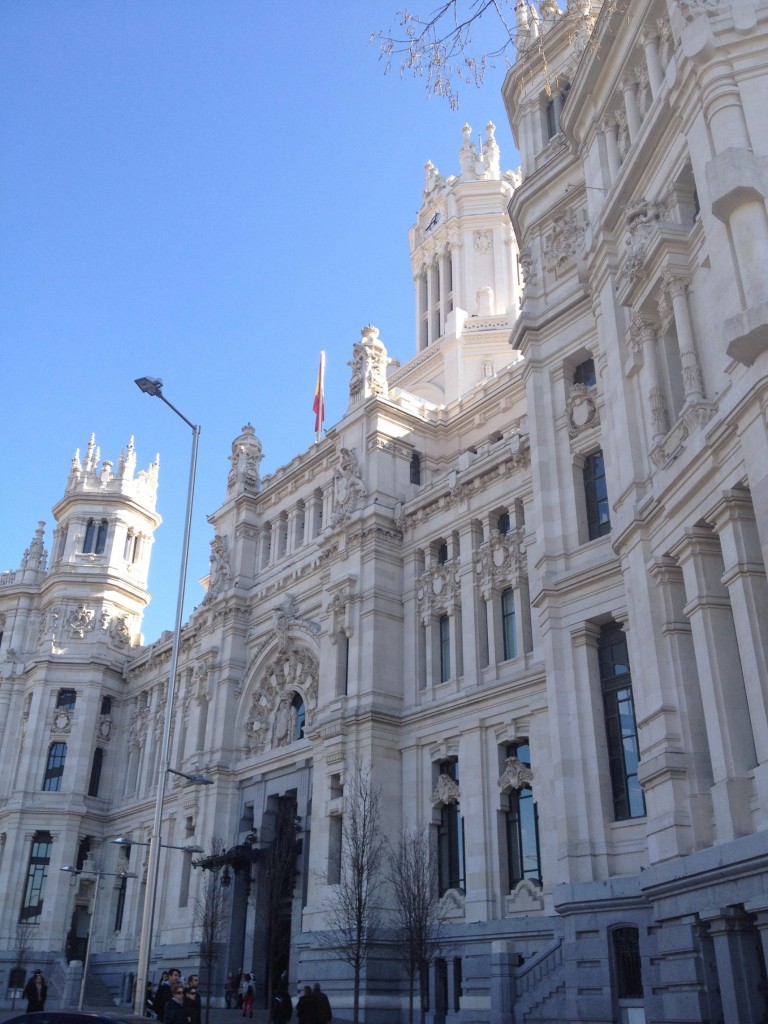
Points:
x=523 y=578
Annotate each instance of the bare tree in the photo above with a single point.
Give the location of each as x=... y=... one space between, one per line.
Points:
x=211 y=917
x=441 y=46
x=24 y=932
x=413 y=875
x=354 y=911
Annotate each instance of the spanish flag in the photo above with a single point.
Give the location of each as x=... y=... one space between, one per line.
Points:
x=318 y=406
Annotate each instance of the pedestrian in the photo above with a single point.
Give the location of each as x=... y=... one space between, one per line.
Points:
x=149 y=1001
x=228 y=990
x=236 y=988
x=306 y=1007
x=323 y=1012
x=192 y=1001
x=174 y=1011
x=281 y=1010
x=247 y=990
x=36 y=992
x=164 y=993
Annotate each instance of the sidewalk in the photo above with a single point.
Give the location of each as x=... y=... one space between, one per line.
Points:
x=219 y=1014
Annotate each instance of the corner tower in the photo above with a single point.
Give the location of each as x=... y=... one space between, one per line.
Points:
x=102 y=544
x=466 y=274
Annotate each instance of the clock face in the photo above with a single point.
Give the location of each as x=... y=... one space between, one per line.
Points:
x=433 y=223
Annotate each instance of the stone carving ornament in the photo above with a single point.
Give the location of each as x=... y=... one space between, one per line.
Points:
x=81 y=620
x=564 y=240
x=500 y=560
x=349 y=489
x=437 y=591
x=581 y=409
x=221 y=573
x=369 y=366
x=642 y=218
x=516 y=775
x=245 y=459
x=292 y=671
x=446 y=792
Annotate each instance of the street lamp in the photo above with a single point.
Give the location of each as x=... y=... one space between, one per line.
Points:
x=99 y=873
x=154 y=386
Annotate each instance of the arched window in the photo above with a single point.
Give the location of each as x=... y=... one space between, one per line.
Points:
x=627 y=963
x=450 y=838
x=503 y=524
x=54 y=769
x=301 y=716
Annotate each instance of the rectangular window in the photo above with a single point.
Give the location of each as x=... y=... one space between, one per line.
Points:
x=450 y=839
x=509 y=640
x=66 y=699
x=54 y=768
x=596 y=496
x=620 y=723
x=444 y=626
x=39 y=859
x=522 y=826
x=96 y=765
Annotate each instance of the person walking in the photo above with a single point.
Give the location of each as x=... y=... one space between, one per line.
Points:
x=306 y=1008
x=247 y=990
x=192 y=1001
x=36 y=992
x=323 y=1012
x=281 y=1010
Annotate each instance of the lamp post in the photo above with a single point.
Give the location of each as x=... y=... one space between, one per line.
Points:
x=99 y=873
x=154 y=386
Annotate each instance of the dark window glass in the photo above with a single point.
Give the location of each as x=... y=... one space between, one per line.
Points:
x=626 y=957
x=82 y=852
x=90 y=536
x=101 y=537
x=620 y=724
x=54 y=769
x=106 y=705
x=450 y=840
x=415 y=468
x=508 y=623
x=445 y=648
x=523 y=853
x=96 y=764
x=301 y=716
x=585 y=373
x=66 y=699
x=37 y=872
x=442 y=553
x=596 y=496
x=503 y=524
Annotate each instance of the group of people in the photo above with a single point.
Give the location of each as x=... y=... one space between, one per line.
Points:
x=174 y=1002
x=313 y=1006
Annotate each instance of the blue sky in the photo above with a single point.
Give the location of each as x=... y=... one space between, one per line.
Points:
x=210 y=192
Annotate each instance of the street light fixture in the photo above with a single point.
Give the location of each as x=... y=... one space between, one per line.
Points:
x=99 y=874
x=122 y=841
x=154 y=386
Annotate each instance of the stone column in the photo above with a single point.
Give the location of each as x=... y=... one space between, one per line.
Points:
x=421 y=309
x=610 y=130
x=644 y=334
x=677 y=286
x=433 y=297
x=745 y=579
x=729 y=730
x=634 y=120
x=443 y=288
x=655 y=70
x=735 y=941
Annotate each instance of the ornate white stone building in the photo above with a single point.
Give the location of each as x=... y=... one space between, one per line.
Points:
x=524 y=577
